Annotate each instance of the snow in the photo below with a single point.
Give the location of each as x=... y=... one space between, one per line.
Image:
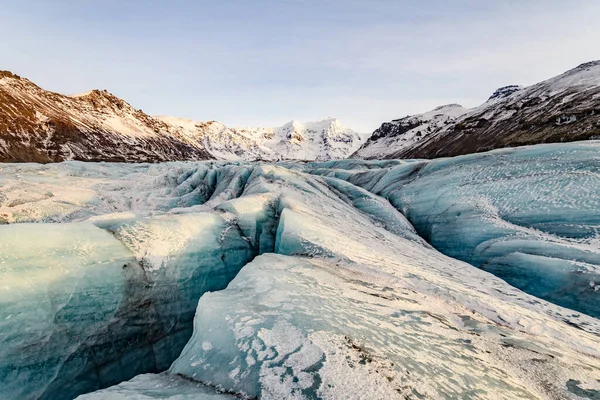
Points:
x=586 y=75
x=165 y=387
x=439 y=123
x=302 y=280
x=316 y=140
x=427 y=124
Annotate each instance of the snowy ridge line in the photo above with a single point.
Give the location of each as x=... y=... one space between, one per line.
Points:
x=316 y=140
x=40 y=126
x=560 y=109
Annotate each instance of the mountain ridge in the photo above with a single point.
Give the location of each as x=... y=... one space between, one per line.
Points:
x=560 y=109
x=319 y=140
x=37 y=125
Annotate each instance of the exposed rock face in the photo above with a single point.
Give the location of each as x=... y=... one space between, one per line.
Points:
x=562 y=109
x=405 y=133
x=505 y=91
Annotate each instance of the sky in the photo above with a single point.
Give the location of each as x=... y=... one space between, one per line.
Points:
x=266 y=62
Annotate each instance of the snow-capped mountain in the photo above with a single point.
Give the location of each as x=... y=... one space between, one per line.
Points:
x=561 y=109
x=404 y=133
x=41 y=126
x=318 y=140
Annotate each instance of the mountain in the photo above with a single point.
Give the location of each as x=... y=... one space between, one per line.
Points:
x=404 y=133
x=319 y=140
x=41 y=126
x=561 y=109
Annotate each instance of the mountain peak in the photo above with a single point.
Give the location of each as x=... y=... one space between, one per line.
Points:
x=504 y=92
x=98 y=93
x=8 y=74
x=587 y=65
x=447 y=106
x=103 y=99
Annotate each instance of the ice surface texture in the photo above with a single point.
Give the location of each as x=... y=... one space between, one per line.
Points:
x=85 y=305
x=159 y=386
x=529 y=215
x=343 y=298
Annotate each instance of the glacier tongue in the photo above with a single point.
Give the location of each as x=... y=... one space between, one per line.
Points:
x=353 y=303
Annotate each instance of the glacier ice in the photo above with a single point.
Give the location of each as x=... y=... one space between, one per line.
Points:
x=158 y=386
x=529 y=215
x=83 y=307
x=335 y=315
x=289 y=327
x=341 y=279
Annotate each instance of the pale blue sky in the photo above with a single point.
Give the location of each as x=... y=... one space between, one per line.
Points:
x=267 y=62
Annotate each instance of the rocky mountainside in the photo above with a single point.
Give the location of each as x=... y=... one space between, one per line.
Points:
x=404 y=133
x=41 y=126
x=562 y=109
x=319 y=140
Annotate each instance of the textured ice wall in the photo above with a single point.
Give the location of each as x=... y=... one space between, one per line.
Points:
x=529 y=215
x=354 y=308
x=83 y=308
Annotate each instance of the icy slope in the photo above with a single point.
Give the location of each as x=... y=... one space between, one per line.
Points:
x=560 y=109
x=529 y=215
x=319 y=140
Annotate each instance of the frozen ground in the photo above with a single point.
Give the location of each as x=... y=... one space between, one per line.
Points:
x=331 y=292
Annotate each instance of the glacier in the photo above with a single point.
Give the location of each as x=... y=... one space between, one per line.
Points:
x=83 y=307
x=529 y=215
x=470 y=277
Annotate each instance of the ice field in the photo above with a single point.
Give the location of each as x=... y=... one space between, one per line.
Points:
x=471 y=277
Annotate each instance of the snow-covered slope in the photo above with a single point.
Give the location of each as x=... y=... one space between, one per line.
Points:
x=318 y=140
x=404 y=133
x=562 y=109
x=42 y=126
